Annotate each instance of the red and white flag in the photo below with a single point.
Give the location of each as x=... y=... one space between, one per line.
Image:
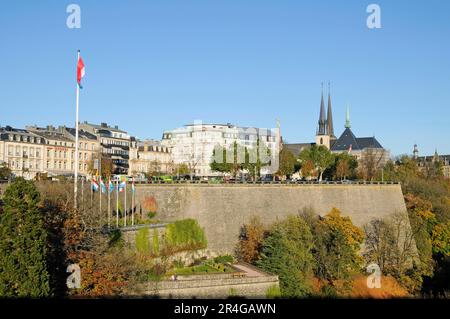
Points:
x=80 y=70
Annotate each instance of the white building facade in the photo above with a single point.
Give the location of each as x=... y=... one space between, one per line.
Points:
x=193 y=144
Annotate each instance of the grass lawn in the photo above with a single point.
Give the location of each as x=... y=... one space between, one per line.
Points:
x=204 y=268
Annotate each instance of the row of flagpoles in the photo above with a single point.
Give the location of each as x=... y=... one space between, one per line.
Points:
x=98 y=185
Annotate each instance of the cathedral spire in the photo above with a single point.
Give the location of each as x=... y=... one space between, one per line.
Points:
x=347 y=118
x=322 y=120
x=330 y=129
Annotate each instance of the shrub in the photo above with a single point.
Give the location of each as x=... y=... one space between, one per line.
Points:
x=155 y=242
x=224 y=259
x=273 y=292
x=185 y=234
x=142 y=241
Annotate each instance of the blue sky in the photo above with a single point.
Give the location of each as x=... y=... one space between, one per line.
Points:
x=157 y=65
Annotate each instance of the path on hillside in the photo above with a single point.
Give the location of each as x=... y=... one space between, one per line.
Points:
x=250 y=271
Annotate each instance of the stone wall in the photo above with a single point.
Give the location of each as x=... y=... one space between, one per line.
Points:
x=222 y=209
x=214 y=287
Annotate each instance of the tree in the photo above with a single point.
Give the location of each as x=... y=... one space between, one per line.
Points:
x=390 y=244
x=307 y=168
x=336 y=248
x=320 y=156
x=106 y=166
x=182 y=169
x=5 y=171
x=227 y=160
x=287 y=252
x=344 y=166
x=23 y=239
x=154 y=168
x=370 y=162
x=286 y=163
x=250 y=241
x=441 y=239
x=255 y=158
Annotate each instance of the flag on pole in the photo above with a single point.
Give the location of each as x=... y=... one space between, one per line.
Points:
x=94 y=185
x=102 y=185
x=80 y=71
x=122 y=186
x=111 y=186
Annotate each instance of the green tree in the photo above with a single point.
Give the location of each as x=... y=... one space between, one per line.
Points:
x=441 y=239
x=337 y=247
x=255 y=158
x=227 y=161
x=5 y=171
x=344 y=166
x=183 y=169
x=287 y=252
x=286 y=163
x=320 y=156
x=23 y=253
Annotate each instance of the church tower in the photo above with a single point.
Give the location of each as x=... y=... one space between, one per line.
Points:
x=330 y=129
x=322 y=137
x=415 y=152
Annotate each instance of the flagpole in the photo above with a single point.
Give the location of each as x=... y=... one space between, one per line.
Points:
x=75 y=187
x=132 y=202
x=100 y=182
x=117 y=204
x=82 y=192
x=109 y=203
x=125 y=202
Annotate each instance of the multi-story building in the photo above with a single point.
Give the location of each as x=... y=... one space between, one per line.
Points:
x=425 y=162
x=59 y=151
x=88 y=148
x=194 y=144
x=114 y=143
x=22 y=150
x=150 y=156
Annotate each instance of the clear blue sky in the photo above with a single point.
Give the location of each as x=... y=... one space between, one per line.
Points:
x=156 y=65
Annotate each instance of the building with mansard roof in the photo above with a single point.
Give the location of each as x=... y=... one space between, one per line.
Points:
x=425 y=162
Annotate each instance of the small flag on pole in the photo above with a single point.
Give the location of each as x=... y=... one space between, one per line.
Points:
x=111 y=186
x=102 y=185
x=94 y=185
x=122 y=186
x=80 y=71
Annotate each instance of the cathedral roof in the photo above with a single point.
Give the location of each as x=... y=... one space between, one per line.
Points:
x=347 y=138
